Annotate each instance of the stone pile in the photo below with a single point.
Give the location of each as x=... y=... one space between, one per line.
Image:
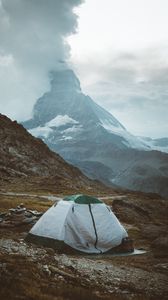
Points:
x=18 y=216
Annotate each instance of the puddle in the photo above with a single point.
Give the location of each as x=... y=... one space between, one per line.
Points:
x=108 y=255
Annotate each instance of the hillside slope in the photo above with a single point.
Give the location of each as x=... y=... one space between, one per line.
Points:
x=27 y=158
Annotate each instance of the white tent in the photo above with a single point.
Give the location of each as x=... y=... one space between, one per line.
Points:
x=81 y=222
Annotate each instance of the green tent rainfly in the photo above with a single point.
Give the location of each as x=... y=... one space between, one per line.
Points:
x=82 y=199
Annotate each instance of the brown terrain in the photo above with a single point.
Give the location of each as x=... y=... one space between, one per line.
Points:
x=28 y=163
x=33 y=175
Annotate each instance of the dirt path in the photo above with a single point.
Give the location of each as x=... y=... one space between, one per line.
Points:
x=46 y=197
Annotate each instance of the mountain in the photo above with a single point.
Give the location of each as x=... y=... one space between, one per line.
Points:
x=89 y=137
x=28 y=159
x=65 y=113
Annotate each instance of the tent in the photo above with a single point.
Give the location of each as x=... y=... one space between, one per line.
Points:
x=82 y=222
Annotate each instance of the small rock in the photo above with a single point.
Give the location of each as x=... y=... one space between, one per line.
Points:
x=97 y=293
x=117 y=279
x=161 y=243
x=46 y=270
x=50 y=251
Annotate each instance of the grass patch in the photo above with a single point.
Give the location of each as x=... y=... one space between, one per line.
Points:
x=34 y=203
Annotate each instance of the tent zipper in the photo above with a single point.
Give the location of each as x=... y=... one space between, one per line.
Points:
x=94 y=226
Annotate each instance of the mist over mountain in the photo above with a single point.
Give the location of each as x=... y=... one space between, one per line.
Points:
x=88 y=136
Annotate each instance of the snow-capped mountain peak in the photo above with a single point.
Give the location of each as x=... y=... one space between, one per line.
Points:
x=88 y=136
x=65 y=113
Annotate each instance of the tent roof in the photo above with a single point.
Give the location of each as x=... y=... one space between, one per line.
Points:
x=83 y=199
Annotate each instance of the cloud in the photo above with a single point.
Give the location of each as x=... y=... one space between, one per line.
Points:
x=32 y=42
x=131 y=85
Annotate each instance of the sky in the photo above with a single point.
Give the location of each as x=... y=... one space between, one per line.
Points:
x=118 y=49
x=121 y=57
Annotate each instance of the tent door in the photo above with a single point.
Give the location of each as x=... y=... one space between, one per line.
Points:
x=94 y=226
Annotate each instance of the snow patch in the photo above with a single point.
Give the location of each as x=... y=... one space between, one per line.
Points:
x=61 y=120
x=109 y=126
x=41 y=131
x=151 y=144
x=130 y=140
x=72 y=129
x=66 y=138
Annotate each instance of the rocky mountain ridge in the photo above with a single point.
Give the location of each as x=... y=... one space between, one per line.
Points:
x=25 y=157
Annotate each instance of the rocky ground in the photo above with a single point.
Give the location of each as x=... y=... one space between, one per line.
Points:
x=32 y=272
